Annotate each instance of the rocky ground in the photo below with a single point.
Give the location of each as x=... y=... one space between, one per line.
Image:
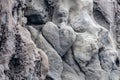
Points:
x=59 y=39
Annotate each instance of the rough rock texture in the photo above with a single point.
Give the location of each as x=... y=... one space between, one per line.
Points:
x=59 y=39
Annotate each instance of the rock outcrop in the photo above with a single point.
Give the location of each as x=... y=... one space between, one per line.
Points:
x=59 y=40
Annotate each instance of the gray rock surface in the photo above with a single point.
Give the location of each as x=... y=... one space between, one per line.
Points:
x=59 y=39
x=55 y=61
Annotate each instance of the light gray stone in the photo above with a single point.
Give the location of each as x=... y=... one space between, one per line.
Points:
x=55 y=60
x=60 y=38
x=68 y=73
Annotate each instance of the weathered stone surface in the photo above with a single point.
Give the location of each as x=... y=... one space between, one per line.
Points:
x=59 y=39
x=35 y=12
x=20 y=58
x=69 y=59
x=55 y=61
x=68 y=73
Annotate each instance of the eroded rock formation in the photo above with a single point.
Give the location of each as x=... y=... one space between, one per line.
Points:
x=59 y=40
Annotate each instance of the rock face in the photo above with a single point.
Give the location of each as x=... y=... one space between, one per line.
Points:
x=59 y=39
